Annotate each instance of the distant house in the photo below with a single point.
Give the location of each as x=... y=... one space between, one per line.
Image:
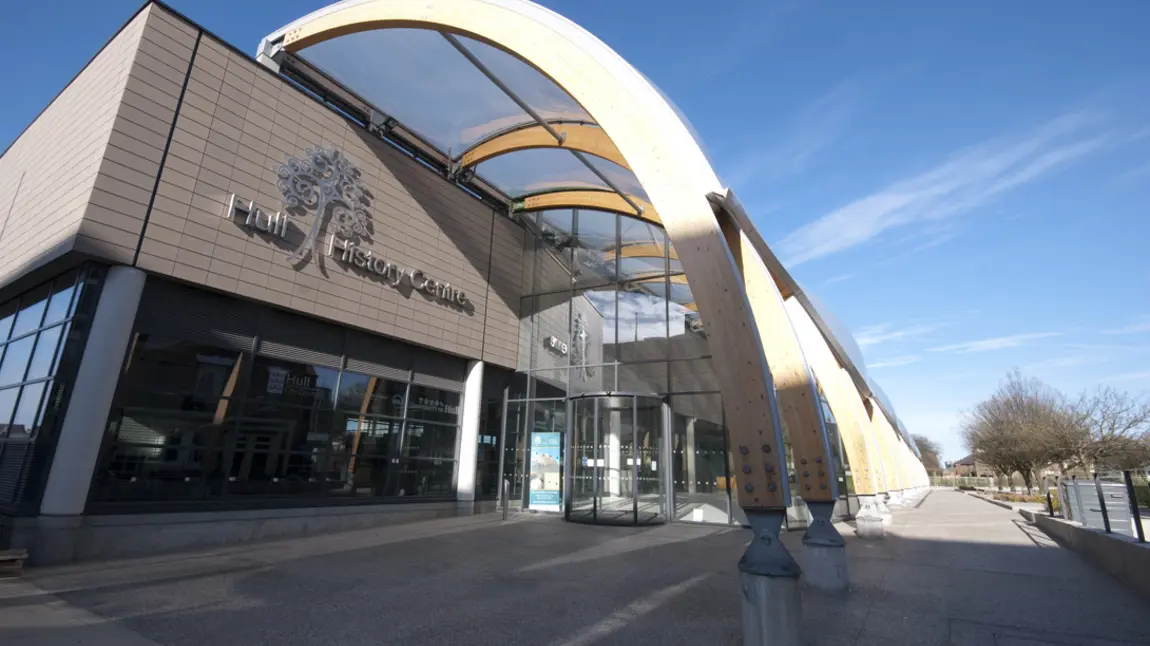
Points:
x=968 y=466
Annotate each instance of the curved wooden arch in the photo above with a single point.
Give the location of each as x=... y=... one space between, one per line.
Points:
x=798 y=396
x=587 y=198
x=845 y=404
x=640 y=250
x=666 y=160
x=587 y=138
x=885 y=436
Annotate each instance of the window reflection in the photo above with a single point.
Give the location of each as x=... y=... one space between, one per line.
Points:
x=293 y=384
x=32 y=307
x=26 y=419
x=34 y=337
x=15 y=360
x=7 y=406
x=371 y=395
x=196 y=422
x=433 y=405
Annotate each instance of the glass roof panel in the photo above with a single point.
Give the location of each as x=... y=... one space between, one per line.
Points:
x=541 y=169
x=541 y=93
x=638 y=231
x=837 y=329
x=595 y=229
x=646 y=267
x=416 y=76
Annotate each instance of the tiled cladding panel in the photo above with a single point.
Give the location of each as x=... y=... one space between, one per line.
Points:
x=127 y=176
x=236 y=125
x=48 y=175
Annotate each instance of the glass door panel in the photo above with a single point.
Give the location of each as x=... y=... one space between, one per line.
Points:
x=616 y=458
x=650 y=492
x=616 y=454
x=582 y=485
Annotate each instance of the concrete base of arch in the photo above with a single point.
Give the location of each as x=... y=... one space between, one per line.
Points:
x=824 y=551
x=869 y=520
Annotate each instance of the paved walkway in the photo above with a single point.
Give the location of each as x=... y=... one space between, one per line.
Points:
x=955 y=570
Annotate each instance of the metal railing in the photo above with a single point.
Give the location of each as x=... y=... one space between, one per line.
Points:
x=1112 y=501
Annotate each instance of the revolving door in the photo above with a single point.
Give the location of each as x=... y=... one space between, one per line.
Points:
x=616 y=461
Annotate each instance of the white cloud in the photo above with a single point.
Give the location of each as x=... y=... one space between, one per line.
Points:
x=838 y=279
x=883 y=332
x=937 y=239
x=967 y=180
x=995 y=343
x=1142 y=324
x=894 y=362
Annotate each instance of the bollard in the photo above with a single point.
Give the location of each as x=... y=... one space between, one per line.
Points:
x=1102 y=502
x=1134 y=506
x=505 y=494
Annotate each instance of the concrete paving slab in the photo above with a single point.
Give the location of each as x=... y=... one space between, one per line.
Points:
x=952 y=570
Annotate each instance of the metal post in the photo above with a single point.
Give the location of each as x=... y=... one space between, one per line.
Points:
x=1102 y=502
x=1078 y=499
x=1134 y=506
x=506 y=493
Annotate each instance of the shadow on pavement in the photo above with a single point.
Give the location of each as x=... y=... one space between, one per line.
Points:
x=949 y=573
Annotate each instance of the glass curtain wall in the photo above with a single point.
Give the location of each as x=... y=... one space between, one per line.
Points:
x=42 y=338
x=609 y=310
x=196 y=422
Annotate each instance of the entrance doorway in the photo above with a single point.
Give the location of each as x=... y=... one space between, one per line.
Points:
x=616 y=461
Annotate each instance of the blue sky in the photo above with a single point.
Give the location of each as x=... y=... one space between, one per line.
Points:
x=967 y=184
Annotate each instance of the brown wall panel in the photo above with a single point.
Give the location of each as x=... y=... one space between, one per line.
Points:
x=87 y=171
x=236 y=126
x=48 y=174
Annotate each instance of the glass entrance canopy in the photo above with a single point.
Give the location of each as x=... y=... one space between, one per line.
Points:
x=484 y=110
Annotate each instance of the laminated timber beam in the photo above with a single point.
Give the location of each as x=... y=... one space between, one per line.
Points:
x=799 y=404
x=586 y=138
x=588 y=198
x=843 y=399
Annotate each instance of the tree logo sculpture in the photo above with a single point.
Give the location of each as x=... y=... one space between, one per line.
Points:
x=579 y=358
x=325 y=182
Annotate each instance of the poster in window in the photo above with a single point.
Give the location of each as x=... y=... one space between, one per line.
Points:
x=546 y=472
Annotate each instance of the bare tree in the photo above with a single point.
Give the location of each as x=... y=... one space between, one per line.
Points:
x=929 y=450
x=1109 y=429
x=1011 y=430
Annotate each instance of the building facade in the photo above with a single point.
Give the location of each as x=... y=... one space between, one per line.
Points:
x=234 y=306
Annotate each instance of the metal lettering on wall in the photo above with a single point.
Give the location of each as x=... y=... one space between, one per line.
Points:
x=255 y=218
x=352 y=254
x=326 y=184
x=554 y=344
